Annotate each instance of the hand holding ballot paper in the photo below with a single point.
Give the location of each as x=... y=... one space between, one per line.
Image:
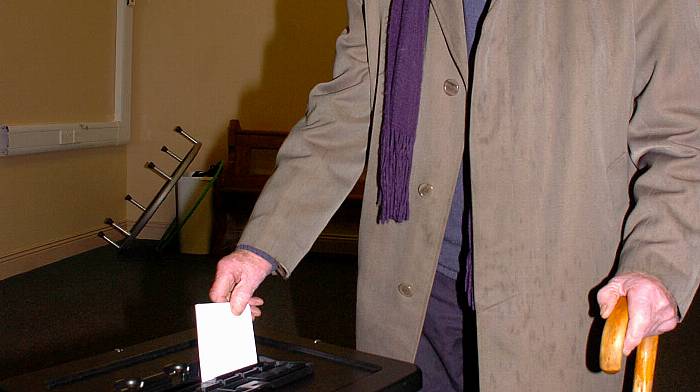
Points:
x=238 y=275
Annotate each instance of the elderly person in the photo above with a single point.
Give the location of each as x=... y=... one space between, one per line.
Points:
x=504 y=188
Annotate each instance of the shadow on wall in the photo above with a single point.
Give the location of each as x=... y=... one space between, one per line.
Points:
x=299 y=56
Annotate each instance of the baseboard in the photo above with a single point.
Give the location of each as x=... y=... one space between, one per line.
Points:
x=39 y=256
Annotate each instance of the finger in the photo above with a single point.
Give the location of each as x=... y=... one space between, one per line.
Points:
x=241 y=296
x=221 y=288
x=255 y=311
x=666 y=320
x=665 y=326
x=607 y=298
x=638 y=326
x=256 y=301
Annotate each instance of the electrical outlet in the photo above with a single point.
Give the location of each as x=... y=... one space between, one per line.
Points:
x=4 y=139
x=66 y=136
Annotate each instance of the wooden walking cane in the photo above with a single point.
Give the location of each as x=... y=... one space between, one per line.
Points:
x=611 y=349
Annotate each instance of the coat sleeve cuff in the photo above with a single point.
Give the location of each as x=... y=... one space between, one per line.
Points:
x=260 y=253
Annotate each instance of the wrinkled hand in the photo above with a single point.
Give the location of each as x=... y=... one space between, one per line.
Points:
x=651 y=308
x=238 y=275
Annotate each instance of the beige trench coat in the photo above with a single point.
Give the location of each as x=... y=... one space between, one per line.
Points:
x=572 y=99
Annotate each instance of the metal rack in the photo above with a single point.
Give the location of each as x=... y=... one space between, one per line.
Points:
x=170 y=182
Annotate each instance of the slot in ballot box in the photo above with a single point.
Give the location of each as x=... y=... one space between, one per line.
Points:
x=334 y=368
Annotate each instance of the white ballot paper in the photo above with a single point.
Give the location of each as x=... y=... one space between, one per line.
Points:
x=226 y=342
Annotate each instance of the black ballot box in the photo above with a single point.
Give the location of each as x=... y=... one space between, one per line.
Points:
x=323 y=367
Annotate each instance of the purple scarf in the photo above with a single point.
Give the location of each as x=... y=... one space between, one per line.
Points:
x=407 y=32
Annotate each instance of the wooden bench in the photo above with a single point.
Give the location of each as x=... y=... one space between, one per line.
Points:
x=250 y=162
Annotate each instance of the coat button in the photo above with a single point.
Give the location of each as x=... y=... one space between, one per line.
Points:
x=451 y=87
x=406 y=290
x=425 y=189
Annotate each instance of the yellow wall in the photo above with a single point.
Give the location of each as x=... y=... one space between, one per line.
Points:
x=46 y=77
x=199 y=64
x=57 y=61
x=55 y=196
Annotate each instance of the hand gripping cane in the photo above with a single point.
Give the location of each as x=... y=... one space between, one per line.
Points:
x=611 y=349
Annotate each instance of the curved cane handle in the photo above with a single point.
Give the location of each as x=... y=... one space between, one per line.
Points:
x=611 y=349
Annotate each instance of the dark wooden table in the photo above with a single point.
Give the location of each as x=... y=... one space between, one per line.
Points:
x=334 y=368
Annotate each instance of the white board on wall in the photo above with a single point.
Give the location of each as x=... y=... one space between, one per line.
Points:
x=65 y=74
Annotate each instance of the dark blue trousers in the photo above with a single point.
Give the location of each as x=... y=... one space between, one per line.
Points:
x=447 y=353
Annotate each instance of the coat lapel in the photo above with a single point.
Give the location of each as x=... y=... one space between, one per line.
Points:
x=450 y=15
x=374 y=9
